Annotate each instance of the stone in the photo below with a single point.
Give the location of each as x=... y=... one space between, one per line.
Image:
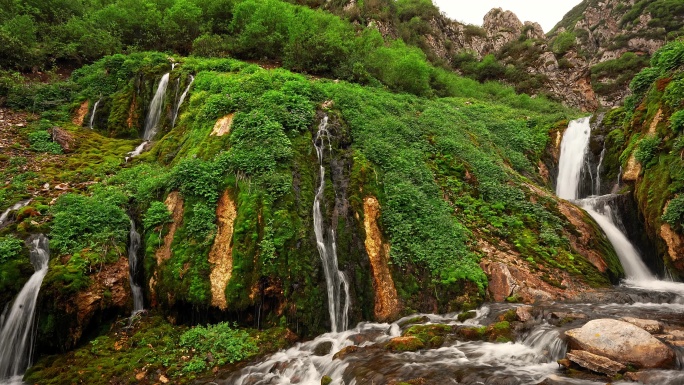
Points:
x=63 y=137
x=323 y=349
x=595 y=363
x=404 y=344
x=342 y=354
x=223 y=126
x=651 y=326
x=523 y=313
x=501 y=282
x=622 y=342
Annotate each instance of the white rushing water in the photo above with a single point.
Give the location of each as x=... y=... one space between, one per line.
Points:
x=137 y=151
x=4 y=217
x=155 y=111
x=336 y=281
x=16 y=331
x=92 y=115
x=180 y=101
x=573 y=149
x=133 y=247
x=524 y=362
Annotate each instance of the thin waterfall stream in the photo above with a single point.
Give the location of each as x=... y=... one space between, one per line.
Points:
x=336 y=281
x=134 y=241
x=181 y=100
x=155 y=111
x=17 y=326
x=92 y=115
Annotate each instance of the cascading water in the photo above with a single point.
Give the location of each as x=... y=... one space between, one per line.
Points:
x=155 y=110
x=133 y=247
x=92 y=115
x=574 y=146
x=573 y=149
x=336 y=281
x=180 y=101
x=16 y=338
x=5 y=215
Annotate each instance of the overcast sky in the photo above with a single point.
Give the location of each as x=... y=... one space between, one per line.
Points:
x=545 y=12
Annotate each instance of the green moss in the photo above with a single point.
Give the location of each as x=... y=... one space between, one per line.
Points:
x=432 y=336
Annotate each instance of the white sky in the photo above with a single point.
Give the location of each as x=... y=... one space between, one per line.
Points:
x=545 y=12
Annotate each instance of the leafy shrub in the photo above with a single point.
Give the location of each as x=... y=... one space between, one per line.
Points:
x=675 y=211
x=677 y=121
x=41 y=141
x=646 y=149
x=674 y=94
x=201 y=225
x=211 y=46
x=10 y=247
x=89 y=222
x=157 y=214
x=226 y=345
x=669 y=57
x=563 y=43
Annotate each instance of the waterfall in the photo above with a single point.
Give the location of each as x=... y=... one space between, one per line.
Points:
x=92 y=115
x=598 y=170
x=336 y=281
x=16 y=337
x=574 y=146
x=5 y=215
x=573 y=149
x=133 y=247
x=603 y=213
x=155 y=111
x=180 y=101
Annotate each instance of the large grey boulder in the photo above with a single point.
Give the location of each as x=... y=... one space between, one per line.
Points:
x=622 y=342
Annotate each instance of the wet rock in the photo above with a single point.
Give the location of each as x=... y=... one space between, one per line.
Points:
x=323 y=349
x=342 y=354
x=595 y=363
x=471 y=333
x=326 y=380
x=562 y=318
x=432 y=336
x=467 y=315
x=501 y=283
x=651 y=326
x=523 y=313
x=622 y=342
x=405 y=344
x=414 y=320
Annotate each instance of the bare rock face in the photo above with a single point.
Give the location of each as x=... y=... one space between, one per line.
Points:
x=595 y=363
x=622 y=342
x=221 y=254
x=502 y=27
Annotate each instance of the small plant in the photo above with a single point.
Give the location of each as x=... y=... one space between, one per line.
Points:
x=157 y=214
x=41 y=141
x=677 y=121
x=675 y=211
x=226 y=345
x=647 y=149
x=10 y=247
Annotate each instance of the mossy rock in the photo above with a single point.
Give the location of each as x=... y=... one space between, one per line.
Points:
x=499 y=332
x=432 y=336
x=466 y=316
x=414 y=320
x=474 y=333
x=326 y=380
x=405 y=344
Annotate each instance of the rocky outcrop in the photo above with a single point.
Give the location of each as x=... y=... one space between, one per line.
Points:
x=582 y=243
x=622 y=342
x=223 y=125
x=174 y=203
x=63 y=137
x=80 y=113
x=386 y=298
x=596 y=363
x=675 y=245
x=221 y=254
x=502 y=27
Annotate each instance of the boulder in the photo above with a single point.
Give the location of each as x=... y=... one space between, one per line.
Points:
x=622 y=342
x=595 y=363
x=651 y=326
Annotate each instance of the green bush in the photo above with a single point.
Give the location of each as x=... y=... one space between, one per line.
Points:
x=202 y=223
x=563 y=43
x=10 y=248
x=674 y=94
x=41 y=141
x=226 y=345
x=157 y=214
x=677 y=121
x=646 y=149
x=675 y=212
x=97 y=222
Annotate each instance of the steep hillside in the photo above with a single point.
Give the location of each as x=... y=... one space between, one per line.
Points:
x=427 y=201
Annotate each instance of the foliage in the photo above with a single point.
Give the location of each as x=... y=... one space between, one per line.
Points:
x=646 y=149
x=564 y=42
x=226 y=345
x=157 y=214
x=41 y=141
x=201 y=224
x=97 y=222
x=675 y=212
x=10 y=248
x=677 y=121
